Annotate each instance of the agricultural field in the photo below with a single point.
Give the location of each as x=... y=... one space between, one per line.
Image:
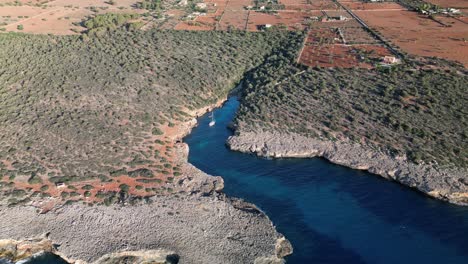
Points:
x=342 y=43
x=357 y=35
x=443 y=37
x=303 y=5
x=205 y=18
x=401 y=111
x=289 y=20
x=388 y=26
x=233 y=19
x=343 y=56
x=459 y=4
x=247 y=15
x=60 y=17
x=171 y=21
x=376 y=7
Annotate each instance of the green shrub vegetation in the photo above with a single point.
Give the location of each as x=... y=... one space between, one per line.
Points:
x=402 y=110
x=87 y=187
x=109 y=21
x=415 y=4
x=86 y=106
x=124 y=187
x=154 y=5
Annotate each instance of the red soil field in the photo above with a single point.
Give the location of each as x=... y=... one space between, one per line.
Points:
x=336 y=24
x=257 y=19
x=342 y=56
x=218 y=3
x=292 y=20
x=336 y=13
x=293 y=2
x=328 y=56
x=56 y=17
x=14 y=12
x=169 y=24
x=194 y=25
x=33 y=2
x=314 y=5
x=233 y=19
x=357 y=5
x=419 y=35
x=82 y=3
x=357 y=35
x=300 y=7
x=450 y=3
x=464 y=18
x=374 y=51
x=175 y=13
x=207 y=20
x=324 y=48
x=322 y=36
x=212 y=17
x=238 y=4
x=56 y=21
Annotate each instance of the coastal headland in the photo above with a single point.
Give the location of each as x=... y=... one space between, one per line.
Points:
x=95 y=104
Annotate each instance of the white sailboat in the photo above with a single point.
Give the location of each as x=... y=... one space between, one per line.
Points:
x=212 y=122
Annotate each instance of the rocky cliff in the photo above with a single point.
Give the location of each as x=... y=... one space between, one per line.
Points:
x=445 y=184
x=201 y=226
x=197 y=223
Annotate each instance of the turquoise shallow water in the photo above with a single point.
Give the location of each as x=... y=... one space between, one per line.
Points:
x=332 y=214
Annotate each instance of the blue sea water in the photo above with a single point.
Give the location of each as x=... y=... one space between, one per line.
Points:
x=332 y=214
x=47 y=258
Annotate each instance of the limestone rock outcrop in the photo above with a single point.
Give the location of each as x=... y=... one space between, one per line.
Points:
x=445 y=184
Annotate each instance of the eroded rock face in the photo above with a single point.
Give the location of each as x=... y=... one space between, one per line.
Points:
x=283 y=247
x=194 y=181
x=159 y=256
x=17 y=250
x=197 y=228
x=269 y=260
x=448 y=185
x=196 y=224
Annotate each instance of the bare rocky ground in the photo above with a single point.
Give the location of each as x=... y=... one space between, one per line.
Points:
x=445 y=184
x=198 y=225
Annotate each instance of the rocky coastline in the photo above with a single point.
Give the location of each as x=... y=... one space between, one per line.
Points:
x=449 y=185
x=195 y=224
x=193 y=229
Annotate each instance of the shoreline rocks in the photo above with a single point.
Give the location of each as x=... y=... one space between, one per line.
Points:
x=195 y=224
x=197 y=228
x=444 y=184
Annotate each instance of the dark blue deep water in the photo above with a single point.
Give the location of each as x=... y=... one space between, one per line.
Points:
x=332 y=214
x=46 y=259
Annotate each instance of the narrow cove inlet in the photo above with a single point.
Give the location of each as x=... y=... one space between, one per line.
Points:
x=232 y=132
x=332 y=214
